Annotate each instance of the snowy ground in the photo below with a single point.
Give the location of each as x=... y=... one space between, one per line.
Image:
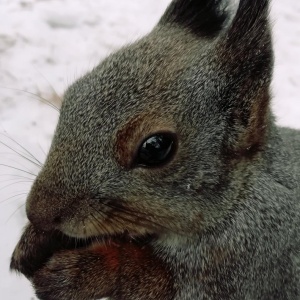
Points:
x=45 y=45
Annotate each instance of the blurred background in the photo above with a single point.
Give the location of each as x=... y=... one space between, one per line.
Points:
x=44 y=46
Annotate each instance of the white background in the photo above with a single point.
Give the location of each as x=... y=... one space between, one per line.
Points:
x=45 y=45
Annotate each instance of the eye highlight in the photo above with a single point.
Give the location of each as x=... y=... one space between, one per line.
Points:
x=156 y=150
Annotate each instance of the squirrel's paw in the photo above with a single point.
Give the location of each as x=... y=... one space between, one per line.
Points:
x=31 y=252
x=73 y=275
x=36 y=247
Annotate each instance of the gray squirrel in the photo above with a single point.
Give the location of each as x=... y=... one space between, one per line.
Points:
x=167 y=177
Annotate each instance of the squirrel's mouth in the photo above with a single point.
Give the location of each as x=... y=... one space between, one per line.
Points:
x=120 y=239
x=116 y=229
x=50 y=243
x=117 y=239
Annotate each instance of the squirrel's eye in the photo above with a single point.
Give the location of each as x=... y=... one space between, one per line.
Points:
x=156 y=150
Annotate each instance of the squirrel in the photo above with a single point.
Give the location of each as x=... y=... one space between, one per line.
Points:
x=167 y=177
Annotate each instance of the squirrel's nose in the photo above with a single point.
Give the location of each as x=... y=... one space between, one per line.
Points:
x=42 y=219
x=42 y=209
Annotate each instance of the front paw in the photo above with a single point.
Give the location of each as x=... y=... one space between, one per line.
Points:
x=59 y=278
x=35 y=248
x=31 y=252
x=74 y=275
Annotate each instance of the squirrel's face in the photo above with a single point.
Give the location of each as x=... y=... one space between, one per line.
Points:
x=149 y=140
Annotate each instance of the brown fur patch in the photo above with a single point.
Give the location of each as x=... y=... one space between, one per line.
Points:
x=258 y=120
x=130 y=137
x=252 y=138
x=146 y=276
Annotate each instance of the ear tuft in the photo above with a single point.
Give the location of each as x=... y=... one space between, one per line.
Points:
x=246 y=46
x=251 y=21
x=246 y=57
x=205 y=18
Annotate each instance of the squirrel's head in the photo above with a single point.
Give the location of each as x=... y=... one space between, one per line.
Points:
x=152 y=139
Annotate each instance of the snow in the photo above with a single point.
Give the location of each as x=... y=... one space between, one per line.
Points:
x=46 y=45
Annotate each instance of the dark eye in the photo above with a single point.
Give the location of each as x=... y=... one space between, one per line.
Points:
x=156 y=150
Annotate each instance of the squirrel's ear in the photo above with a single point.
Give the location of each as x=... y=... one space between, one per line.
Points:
x=204 y=18
x=249 y=27
x=245 y=55
x=244 y=50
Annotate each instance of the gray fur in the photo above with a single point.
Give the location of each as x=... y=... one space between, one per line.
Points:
x=225 y=210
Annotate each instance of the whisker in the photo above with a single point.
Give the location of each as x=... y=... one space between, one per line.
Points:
x=11 y=184
x=121 y=227
x=9 y=198
x=14 y=212
x=37 y=97
x=98 y=226
x=14 y=168
x=16 y=178
x=38 y=162
x=101 y=226
x=21 y=165
x=130 y=220
x=52 y=88
x=44 y=152
x=138 y=215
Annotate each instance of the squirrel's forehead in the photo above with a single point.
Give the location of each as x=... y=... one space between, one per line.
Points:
x=143 y=77
x=149 y=65
x=115 y=106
